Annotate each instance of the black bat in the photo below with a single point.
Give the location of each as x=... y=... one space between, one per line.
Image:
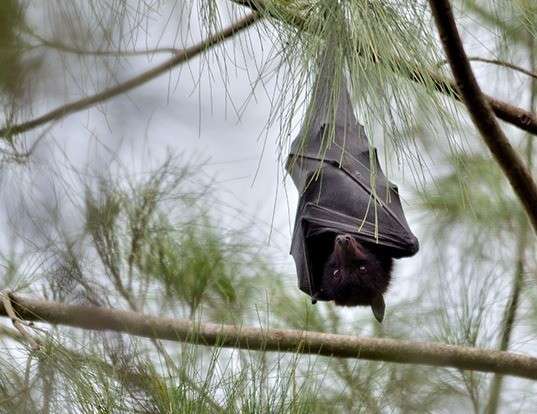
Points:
x=349 y=223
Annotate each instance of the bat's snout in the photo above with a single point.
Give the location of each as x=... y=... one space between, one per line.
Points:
x=346 y=244
x=343 y=239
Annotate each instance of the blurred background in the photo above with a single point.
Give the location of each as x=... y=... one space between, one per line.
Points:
x=171 y=199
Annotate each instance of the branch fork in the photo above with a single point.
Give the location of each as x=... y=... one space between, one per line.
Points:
x=18 y=323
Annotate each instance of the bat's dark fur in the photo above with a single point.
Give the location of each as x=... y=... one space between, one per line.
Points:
x=356 y=275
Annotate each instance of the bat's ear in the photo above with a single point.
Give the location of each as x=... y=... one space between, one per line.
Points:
x=378 y=307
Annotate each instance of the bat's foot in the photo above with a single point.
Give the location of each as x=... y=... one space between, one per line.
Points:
x=378 y=307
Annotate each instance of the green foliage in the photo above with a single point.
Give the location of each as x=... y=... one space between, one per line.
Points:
x=194 y=260
x=474 y=193
x=11 y=48
x=197 y=265
x=149 y=242
x=514 y=20
x=379 y=46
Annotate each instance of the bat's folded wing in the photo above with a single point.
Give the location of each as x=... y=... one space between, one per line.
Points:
x=316 y=219
x=339 y=197
x=341 y=185
x=315 y=229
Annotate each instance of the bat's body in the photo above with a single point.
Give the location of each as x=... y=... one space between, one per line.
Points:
x=355 y=276
x=350 y=223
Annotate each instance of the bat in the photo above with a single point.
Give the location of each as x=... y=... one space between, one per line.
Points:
x=349 y=224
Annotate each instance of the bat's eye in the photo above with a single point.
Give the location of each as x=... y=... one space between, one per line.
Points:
x=362 y=268
x=335 y=273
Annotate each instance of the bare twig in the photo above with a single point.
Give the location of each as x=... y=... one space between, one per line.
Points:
x=505 y=64
x=518 y=281
x=507 y=112
x=509 y=319
x=498 y=62
x=63 y=47
x=279 y=340
x=17 y=322
x=183 y=56
x=113 y=53
x=480 y=111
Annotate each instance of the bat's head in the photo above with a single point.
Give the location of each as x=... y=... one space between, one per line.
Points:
x=355 y=275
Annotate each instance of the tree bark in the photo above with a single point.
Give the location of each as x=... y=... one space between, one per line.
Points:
x=180 y=57
x=480 y=111
x=279 y=340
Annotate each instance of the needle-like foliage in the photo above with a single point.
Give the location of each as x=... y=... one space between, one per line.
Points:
x=151 y=233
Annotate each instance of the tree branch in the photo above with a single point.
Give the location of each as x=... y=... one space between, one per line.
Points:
x=279 y=340
x=505 y=64
x=498 y=62
x=64 y=47
x=508 y=322
x=180 y=57
x=480 y=111
x=518 y=281
x=507 y=112
x=17 y=323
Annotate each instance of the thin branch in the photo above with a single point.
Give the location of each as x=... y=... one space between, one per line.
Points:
x=63 y=47
x=507 y=112
x=17 y=323
x=496 y=62
x=279 y=340
x=518 y=281
x=509 y=319
x=185 y=55
x=503 y=63
x=480 y=111
x=112 y=53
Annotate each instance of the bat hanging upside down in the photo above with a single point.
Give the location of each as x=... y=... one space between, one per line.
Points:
x=353 y=275
x=350 y=223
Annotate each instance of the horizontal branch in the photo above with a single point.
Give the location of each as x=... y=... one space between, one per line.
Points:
x=17 y=323
x=179 y=58
x=279 y=340
x=507 y=112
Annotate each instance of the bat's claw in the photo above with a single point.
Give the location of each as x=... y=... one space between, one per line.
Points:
x=378 y=307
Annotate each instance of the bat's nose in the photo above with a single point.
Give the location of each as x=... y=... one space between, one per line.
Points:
x=342 y=239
